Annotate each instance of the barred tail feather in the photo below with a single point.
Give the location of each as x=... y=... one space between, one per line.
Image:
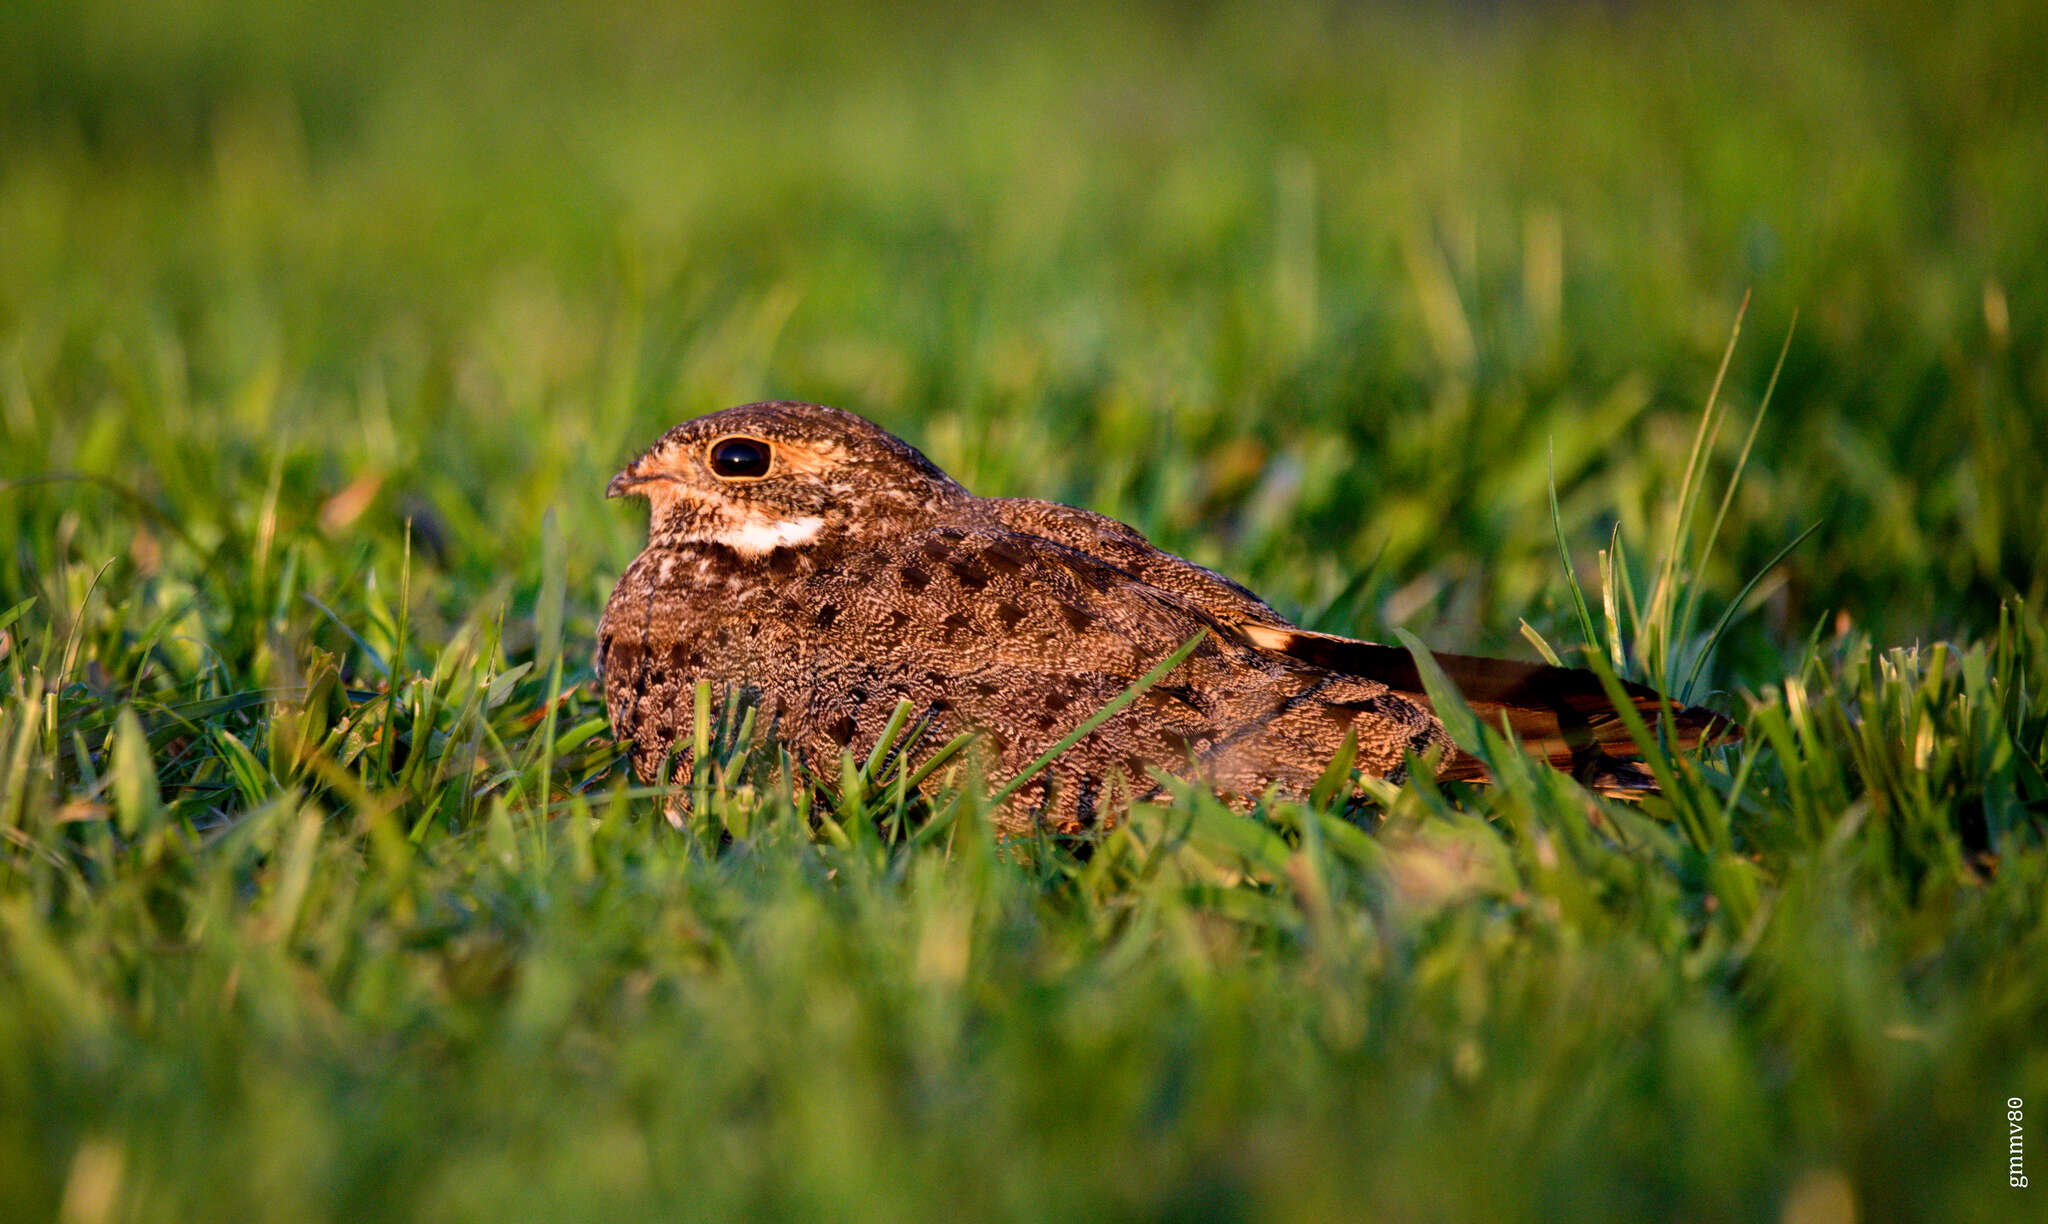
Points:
x=1561 y=715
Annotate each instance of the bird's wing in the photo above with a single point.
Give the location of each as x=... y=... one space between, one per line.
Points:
x=1025 y=637
x=1560 y=714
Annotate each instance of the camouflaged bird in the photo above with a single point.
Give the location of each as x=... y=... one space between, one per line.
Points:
x=826 y=570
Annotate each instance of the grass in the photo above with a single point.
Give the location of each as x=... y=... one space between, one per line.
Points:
x=322 y=894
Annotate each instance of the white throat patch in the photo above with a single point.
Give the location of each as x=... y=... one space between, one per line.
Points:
x=758 y=539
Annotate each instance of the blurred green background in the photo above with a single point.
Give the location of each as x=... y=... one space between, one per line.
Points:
x=1323 y=295
x=1309 y=291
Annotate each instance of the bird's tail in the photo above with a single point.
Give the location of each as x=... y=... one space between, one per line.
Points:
x=1561 y=715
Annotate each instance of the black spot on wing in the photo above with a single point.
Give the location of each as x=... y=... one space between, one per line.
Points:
x=1186 y=696
x=1006 y=557
x=969 y=573
x=840 y=730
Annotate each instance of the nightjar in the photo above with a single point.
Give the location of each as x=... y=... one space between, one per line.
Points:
x=826 y=570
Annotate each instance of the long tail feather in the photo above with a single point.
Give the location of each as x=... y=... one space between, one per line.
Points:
x=1560 y=714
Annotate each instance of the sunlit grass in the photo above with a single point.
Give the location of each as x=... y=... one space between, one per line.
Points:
x=323 y=893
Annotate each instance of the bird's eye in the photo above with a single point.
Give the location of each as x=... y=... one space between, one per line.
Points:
x=740 y=458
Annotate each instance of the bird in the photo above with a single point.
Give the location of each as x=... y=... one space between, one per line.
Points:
x=820 y=570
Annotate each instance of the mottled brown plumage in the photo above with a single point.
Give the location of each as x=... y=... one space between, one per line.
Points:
x=826 y=570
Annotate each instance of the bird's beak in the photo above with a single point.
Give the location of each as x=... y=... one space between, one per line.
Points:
x=627 y=482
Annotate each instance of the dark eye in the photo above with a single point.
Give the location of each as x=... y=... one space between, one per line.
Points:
x=740 y=458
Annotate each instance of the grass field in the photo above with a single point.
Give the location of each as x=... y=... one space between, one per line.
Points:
x=323 y=327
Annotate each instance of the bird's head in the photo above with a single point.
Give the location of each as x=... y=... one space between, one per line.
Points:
x=766 y=476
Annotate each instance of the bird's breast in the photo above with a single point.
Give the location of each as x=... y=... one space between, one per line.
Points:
x=706 y=610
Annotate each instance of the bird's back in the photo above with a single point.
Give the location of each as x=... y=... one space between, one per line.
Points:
x=1003 y=632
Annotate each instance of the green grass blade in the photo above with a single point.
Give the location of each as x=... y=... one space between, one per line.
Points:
x=1713 y=638
x=1677 y=548
x=1686 y=619
x=1564 y=558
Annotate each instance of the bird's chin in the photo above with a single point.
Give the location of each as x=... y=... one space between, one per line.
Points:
x=757 y=537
